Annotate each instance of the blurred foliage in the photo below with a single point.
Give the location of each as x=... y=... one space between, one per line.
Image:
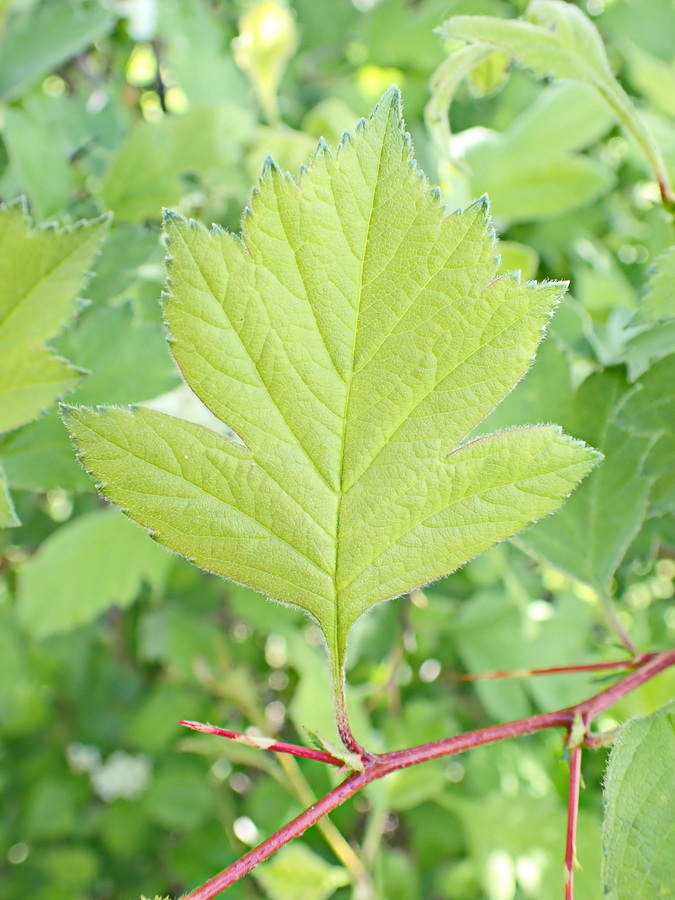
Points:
x=107 y=641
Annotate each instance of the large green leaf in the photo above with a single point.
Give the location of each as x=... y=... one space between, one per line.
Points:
x=352 y=338
x=639 y=826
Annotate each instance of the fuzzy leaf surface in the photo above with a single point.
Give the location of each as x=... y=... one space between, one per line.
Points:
x=639 y=826
x=352 y=337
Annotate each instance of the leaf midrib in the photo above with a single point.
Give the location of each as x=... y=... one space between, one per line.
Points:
x=335 y=650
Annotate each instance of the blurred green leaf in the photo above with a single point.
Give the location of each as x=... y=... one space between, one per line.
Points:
x=8 y=517
x=297 y=873
x=112 y=558
x=149 y=169
x=179 y=797
x=44 y=39
x=267 y=40
x=23 y=705
x=110 y=343
x=40 y=167
x=556 y=39
x=640 y=810
x=658 y=302
x=128 y=250
x=515 y=842
x=653 y=77
x=196 y=38
x=590 y=535
x=39 y=457
x=649 y=410
x=531 y=170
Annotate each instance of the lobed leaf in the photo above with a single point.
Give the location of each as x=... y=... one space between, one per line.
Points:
x=352 y=337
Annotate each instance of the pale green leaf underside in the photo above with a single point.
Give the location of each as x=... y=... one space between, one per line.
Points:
x=352 y=337
x=639 y=826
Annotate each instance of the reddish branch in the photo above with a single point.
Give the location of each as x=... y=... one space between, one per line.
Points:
x=377 y=766
x=561 y=670
x=266 y=743
x=572 y=817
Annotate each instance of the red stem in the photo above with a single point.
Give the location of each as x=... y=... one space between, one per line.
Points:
x=376 y=767
x=266 y=743
x=560 y=670
x=572 y=818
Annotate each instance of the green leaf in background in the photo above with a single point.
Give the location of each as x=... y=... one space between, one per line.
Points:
x=639 y=825
x=8 y=516
x=40 y=167
x=41 y=274
x=658 y=302
x=591 y=534
x=515 y=844
x=654 y=78
x=352 y=338
x=556 y=39
x=39 y=457
x=110 y=343
x=650 y=410
x=48 y=36
x=531 y=170
x=297 y=873
x=655 y=318
x=211 y=74
x=148 y=170
x=97 y=561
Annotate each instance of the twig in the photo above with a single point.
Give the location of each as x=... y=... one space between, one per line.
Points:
x=378 y=766
x=263 y=743
x=632 y=663
x=572 y=819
